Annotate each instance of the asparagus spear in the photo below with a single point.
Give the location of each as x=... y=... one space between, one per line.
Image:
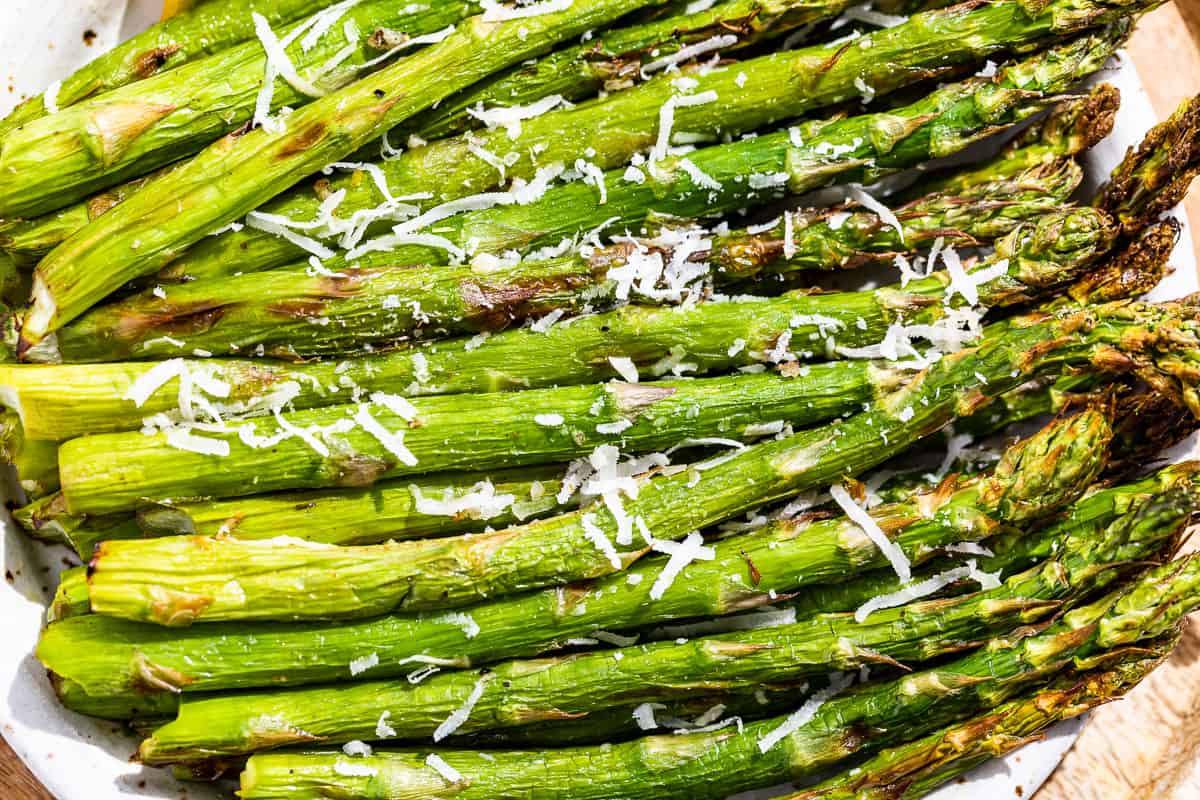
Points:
x=131 y=706
x=991 y=205
x=910 y=771
x=616 y=59
x=237 y=173
x=525 y=692
x=184 y=37
x=71 y=596
x=124 y=657
x=776 y=86
x=36 y=462
x=356 y=445
x=25 y=241
x=291 y=314
x=719 y=763
x=59 y=159
x=194 y=578
x=1071 y=127
x=388 y=510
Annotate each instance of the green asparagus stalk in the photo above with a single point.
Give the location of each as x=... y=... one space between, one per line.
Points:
x=71 y=596
x=1161 y=167
x=990 y=206
x=387 y=510
x=912 y=770
x=290 y=314
x=198 y=117
x=775 y=87
x=131 y=706
x=26 y=241
x=719 y=763
x=240 y=171
x=107 y=658
x=616 y=59
x=356 y=445
x=61 y=158
x=195 y=578
x=36 y=462
x=526 y=692
x=171 y=43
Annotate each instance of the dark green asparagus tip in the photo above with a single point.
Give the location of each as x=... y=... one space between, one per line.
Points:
x=1156 y=174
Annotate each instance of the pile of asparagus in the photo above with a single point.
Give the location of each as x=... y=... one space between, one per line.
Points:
x=453 y=400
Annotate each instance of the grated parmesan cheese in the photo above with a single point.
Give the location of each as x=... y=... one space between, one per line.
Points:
x=870 y=527
x=480 y=502
x=356 y=748
x=643 y=715
x=614 y=427
x=363 y=663
x=50 y=97
x=935 y=583
x=689 y=52
x=691 y=549
x=495 y=12
x=666 y=119
x=600 y=539
x=699 y=176
x=393 y=442
x=624 y=367
x=461 y=714
x=382 y=729
x=860 y=196
x=511 y=117
x=439 y=765
x=805 y=713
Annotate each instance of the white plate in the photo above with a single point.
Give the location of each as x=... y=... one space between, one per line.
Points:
x=81 y=759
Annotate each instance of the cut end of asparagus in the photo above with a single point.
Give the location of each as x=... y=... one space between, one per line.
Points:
x=40 y=317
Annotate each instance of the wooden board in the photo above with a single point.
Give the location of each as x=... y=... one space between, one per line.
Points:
x=1147 y=745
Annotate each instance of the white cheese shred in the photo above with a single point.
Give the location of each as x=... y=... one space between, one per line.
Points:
x=624 y=367
x=691 y=51
x=495 y=12
x=805 y=713
x=393 y=441
x=439 y=765
x=461 y=714
x=682 y=553
x=600 y=539
x=860 y=196
x=50 y=97
x=916 y=591
x=859 y=516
